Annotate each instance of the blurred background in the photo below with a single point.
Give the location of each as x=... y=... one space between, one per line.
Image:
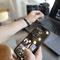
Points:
x=17 y=8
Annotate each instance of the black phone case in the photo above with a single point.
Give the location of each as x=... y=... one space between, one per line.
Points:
x=32 y=41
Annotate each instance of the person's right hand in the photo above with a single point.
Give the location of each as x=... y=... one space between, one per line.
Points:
x=33 y=16
x=28 y=55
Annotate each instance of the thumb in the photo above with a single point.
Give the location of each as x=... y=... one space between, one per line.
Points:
x=28 y=55
x=38 y=54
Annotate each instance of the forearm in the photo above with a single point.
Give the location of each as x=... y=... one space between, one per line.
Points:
x=11 y=29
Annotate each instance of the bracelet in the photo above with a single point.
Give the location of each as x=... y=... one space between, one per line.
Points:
x=26 y=22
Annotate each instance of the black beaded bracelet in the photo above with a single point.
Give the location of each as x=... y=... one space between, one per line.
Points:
x=26 y=22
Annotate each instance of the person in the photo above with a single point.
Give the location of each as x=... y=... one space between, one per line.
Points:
x=7 y=31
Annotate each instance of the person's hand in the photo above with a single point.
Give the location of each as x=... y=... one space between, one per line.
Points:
x=28 y=55
x=13 y=55
x=33 y=16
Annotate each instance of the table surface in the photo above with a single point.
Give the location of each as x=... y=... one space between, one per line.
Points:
x=46 y=53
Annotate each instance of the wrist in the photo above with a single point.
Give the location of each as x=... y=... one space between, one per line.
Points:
x=27 y=22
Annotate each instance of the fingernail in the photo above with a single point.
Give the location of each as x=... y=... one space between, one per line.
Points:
x=23 y=48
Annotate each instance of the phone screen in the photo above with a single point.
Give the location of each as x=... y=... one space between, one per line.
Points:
x=32 y=41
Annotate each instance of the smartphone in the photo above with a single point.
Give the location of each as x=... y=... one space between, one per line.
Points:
x=32 y=41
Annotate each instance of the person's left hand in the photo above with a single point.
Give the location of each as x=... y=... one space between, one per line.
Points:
x=13 y=55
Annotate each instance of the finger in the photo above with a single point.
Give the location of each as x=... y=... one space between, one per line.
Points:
x=40 y=14
x=14 y=57
x=28 y=55
x=35 y=12
x=38 y=54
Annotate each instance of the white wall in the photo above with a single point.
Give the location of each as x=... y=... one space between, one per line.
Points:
x=9 y=4
x=18 y=7
x=21 y=5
